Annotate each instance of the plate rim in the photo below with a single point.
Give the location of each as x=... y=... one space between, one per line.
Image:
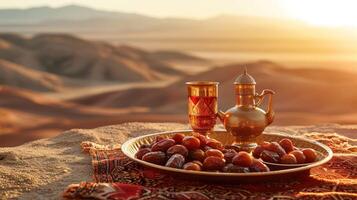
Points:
x=225 y=174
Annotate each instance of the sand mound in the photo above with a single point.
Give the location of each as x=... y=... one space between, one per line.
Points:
x=77 y=58
x=42 y=169
x=13 y=38
x=158 y=62
x=17 y=51
x=4 y=44
x=28 y=115
x=25 y=100
x=12 y=74
x=90 y=60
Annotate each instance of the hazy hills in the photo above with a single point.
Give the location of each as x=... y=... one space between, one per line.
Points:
x=41 y=14
x=252 y=37
x=23 y=77
x=48 y=62
x=61 y=63
x=304 y=96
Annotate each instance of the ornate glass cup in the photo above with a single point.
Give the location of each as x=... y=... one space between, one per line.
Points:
x=202 y=105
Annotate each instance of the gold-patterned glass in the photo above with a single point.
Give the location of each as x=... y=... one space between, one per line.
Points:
x=202 y=105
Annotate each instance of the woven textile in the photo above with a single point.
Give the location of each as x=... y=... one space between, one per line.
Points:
x=117 y=177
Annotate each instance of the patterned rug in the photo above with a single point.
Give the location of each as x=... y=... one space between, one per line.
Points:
x=117 y=177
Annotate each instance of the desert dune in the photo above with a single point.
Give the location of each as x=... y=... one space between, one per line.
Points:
x=15 y=75
x=28 y=115
x=76 y=58
x=85 y=84
x=303 y=96
x=37 y=72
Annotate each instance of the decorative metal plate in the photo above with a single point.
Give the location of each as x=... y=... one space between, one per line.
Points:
x=131 y=146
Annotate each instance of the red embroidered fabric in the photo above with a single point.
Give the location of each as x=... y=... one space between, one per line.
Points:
x=117 y=177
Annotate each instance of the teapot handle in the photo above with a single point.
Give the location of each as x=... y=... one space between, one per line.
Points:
x=260 y=97
x=269 y=112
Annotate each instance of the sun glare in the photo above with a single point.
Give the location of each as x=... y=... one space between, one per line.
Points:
x=324 y=12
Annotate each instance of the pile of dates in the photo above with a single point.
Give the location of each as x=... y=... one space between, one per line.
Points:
x=198 y=153
x=284 y=152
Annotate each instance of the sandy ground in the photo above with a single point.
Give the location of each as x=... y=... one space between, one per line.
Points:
x=42 y=169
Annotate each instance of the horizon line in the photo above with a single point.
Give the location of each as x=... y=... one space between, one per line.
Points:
x=223 y=14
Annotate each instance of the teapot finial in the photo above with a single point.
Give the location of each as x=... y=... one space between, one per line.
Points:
x=245 y=79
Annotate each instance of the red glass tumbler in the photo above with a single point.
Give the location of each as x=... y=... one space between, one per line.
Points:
x=202 y=105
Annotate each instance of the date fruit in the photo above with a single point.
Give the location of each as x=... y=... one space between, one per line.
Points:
x=197 y=154
x=270 y=156
x=159 y=138
x=215 y=144
x=178 y=137
x=175 y=161
x=163 y=145
x=156 y=157
x=243 y=159
x=191 y=142
x=288 y=159
x=235 y=169
x=192 y=166
x=287 y=144
x=257 y=151
x=214 y=152
x=265 y=145
x=198 y=163
x=310 y=155
x=287 y=152
x=202 y=138
x=139 y=154
x=299 y=155
x=229 y=155
x=258 y=166
x=275 y=147
x=177 y=149
x=213 y=163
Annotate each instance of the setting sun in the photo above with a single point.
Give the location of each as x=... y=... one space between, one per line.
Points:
x=324 y=13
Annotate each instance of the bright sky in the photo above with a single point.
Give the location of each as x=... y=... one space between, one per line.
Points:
x=317 y=12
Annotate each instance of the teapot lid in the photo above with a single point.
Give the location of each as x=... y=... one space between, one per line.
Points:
x=245 y=78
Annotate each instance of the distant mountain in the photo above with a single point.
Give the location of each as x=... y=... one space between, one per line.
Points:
x=87 y=21
x=73 y=58
x=46 y=14
x=221 y=33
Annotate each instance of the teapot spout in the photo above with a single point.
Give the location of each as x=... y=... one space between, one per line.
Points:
x=221 y=115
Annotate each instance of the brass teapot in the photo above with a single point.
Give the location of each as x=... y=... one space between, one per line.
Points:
x=246 y=121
